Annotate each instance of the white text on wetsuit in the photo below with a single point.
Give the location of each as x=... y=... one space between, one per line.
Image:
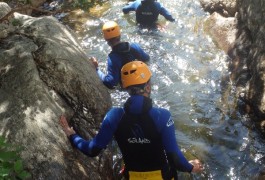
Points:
x=138 y=140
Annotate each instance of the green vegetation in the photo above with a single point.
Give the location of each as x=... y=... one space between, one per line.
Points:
x=15 y=22
x=11 y=166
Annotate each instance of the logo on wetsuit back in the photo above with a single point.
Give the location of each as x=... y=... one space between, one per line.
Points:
x=147 y=13
x=138 y=135
x=138 y=140
x=170 y=122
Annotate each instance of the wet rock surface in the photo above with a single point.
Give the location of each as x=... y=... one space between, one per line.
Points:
x=246 y=49
x=44 y=73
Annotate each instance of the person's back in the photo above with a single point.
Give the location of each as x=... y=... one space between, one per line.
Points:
x=122 y=53
x=147 y=12
x=139 y=139
x=125 y=52
x=145 y=134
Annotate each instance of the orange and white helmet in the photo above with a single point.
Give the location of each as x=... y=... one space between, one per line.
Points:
x=111 y=30
x=135 y=73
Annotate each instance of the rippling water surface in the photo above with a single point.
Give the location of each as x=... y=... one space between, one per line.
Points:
x=190 y=79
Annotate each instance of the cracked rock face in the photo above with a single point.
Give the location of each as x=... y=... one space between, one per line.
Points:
x=44 y=73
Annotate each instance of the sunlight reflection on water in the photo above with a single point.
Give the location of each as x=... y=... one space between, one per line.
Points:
x=188 y=72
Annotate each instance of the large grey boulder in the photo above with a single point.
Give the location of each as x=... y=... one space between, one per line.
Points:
x=44 y=73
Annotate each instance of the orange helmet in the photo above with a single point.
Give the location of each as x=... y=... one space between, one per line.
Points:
x=111 y=30
x=135 y=73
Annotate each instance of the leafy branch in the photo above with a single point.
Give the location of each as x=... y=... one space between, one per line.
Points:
x=11 y=166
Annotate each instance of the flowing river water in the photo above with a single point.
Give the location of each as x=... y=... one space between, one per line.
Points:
x=190 y=79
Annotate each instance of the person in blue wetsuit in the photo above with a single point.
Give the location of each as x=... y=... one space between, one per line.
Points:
x=147 y=12
x=144 y=134
x=122 y=52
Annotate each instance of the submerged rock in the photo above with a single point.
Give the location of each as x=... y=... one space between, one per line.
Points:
x=222 y=30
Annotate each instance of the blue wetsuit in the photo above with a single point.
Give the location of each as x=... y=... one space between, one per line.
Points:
x=144 y=134
x=121 y=54
x=147 y=12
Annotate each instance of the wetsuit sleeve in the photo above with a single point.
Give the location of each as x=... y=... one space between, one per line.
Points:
x=86 y=147
x=166 y=14
x=176 y=159
x=131 y=6
x=143 y=55
x=113 y=76
x=93 y=147
x=101 y=75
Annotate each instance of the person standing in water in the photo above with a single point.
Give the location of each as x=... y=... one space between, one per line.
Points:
x=144 y=134
x=122 y=53
x=147 y=12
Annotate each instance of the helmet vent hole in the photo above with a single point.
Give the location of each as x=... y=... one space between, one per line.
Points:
x=112 y=29
x=132 y=71
x=125 y=73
